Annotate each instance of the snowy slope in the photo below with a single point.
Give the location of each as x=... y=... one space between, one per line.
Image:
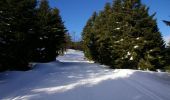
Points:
x=72 y=77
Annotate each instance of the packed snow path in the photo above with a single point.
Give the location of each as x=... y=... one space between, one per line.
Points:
x=72 y=77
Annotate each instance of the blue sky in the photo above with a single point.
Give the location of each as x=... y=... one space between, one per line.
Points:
x=75 y=13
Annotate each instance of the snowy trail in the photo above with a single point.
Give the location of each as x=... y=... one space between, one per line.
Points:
x=72 y=77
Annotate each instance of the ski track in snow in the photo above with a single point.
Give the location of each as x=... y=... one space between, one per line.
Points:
x=71 y=77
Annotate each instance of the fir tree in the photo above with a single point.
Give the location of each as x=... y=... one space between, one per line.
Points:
x=167 y=57
x=103 y=33
x=56 y=42
x=50 y=40
x=167 y=51
x=128 y=37
x=89 y=39
x=29 y=33
x=16 y=19
x=116 y=33
x=141 y=40
x=42 y=19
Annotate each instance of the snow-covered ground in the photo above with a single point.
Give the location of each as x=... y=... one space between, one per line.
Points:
x=72 y=77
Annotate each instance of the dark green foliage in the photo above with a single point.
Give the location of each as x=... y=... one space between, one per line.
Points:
x=104 y=19
x=167 y=57
x=15 y=22
x=76 y=45
x=140 y=39
x=126 y=36
x=29 y=32
x=167 y=51
x=72 y=44
x=89 y=39
x=50 y=34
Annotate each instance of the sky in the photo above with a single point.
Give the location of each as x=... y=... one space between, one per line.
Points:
x=75 y=13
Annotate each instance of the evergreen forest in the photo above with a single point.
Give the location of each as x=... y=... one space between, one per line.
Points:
x=30 y=31
x=125 y=36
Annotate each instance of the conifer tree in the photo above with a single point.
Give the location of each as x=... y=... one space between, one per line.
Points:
x=15 y=23
x=128 y=37
x=103 y=33
x=168 y=54
x=56 y=42
x=42 y=19
x=50 y=40
x=29 y=33
x=141 y=40
x=167 y=51
x=89 y=39
x=116 y=33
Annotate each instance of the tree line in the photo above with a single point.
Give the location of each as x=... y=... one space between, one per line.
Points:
x=30 y=31
x=125 y=35
x=167 y=51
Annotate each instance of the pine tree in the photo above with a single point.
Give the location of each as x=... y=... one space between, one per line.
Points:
x=4 y=13
x=50 y=40
x=167 y=51
x=167 y=57
x=116 y=33
x=16 y=19
x=29 y=33
x=128 y=37
x=42 y=19
x=56 y=42
x=89 y=39
x=103 y=32
x=141 y=40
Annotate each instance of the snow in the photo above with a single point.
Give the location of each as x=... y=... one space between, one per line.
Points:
x=54 y=28
x=7 y=24
x=131 y=58
x=8 y=18
x=138 y=38
x=151 y=50
x=40 y=49
x=121 y=39
x=136 y=46
x=71 y=77
x=45 y=37
x=128 y=53
x=41 y=38
x=116 y=41
x=72 y=56
x=117 y=28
